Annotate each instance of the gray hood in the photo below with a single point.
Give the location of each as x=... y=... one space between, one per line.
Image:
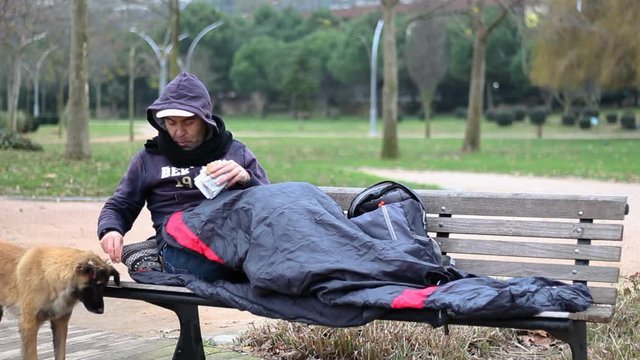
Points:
x=185 y=92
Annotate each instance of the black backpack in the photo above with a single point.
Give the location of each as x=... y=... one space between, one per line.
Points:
x=390 y=209
x=384 y=192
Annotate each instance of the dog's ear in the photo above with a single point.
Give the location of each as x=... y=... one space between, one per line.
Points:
x=116 y=275
x=87 y=268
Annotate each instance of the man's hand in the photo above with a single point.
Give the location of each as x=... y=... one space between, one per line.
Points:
x=111 y=244
x=228 y=172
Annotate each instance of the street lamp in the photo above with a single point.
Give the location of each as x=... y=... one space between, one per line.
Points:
x=374 y=73
x=36 y=81
x=161 y=54
x=195 y=41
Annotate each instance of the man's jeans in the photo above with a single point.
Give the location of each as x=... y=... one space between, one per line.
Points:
x=182 y=261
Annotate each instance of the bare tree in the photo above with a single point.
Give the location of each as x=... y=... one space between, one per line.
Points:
x=426 y=58
x=482 y=29
x=78 y=146
x=18 y=24
x=390 y=148
x=174 y=9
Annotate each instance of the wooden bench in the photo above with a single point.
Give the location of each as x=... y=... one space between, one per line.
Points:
x=572 y=238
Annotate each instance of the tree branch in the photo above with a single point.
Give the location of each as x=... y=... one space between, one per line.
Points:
x=431 y=12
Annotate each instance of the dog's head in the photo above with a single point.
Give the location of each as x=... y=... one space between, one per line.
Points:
x=93 y=275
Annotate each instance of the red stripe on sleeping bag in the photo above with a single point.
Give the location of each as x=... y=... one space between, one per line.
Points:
x=185 y=237
x=412 y=298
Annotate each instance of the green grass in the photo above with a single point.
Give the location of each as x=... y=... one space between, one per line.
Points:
x=329 y=152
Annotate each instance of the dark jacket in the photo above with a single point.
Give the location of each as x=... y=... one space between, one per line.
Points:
x=154 y=179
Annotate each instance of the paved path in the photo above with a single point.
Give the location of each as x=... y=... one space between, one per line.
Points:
x=465 y=181
x=93 y=344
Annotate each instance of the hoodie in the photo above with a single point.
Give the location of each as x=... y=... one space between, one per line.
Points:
x=185 y=92
x=156 y=180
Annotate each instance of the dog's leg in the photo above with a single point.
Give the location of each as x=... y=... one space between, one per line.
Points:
x=29 y=325
x=59 y=328
x=1 y=312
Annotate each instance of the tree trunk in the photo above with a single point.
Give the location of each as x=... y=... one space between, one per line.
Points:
x=98 y=100
x=14 y=95
x=489 y=91
x=567 y=103
x=174 y=69
x=259 y=101
x=426 y=97
x=60 y=107
x=8 y=92
x=476 y=86
x=78 y=128
x=390 y=148
x=131 y=98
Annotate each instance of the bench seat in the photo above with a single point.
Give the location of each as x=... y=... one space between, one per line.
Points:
x=570 y=238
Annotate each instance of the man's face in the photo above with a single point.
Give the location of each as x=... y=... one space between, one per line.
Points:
x=187 y=132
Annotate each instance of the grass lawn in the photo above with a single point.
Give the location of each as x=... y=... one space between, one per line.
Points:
x=329 y=152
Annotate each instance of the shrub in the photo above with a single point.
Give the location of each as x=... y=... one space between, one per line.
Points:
x=538 y=115
x=24 y=124
x=628 y=121
x=519 y=113
x=9 y=140
x=460 y=112
x=612 y=118
x=504 y=117
x=585 y=122
x=491 y=114
x=568 y=119
x=47 y=119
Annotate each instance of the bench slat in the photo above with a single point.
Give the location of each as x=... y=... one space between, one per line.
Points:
x=546 y=229
x=163 y=288
x=596 y=313
x=554 y=271
x=508 y=204
x=603 y=295
x=524 y=205
x=529 y=249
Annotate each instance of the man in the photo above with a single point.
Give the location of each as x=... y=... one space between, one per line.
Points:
x=162 y=174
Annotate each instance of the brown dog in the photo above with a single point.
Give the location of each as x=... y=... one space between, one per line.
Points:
x=45 y=283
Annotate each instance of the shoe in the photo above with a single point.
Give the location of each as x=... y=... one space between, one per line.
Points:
x=141 y=256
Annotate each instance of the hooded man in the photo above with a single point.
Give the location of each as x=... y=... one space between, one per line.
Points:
x=190 y=138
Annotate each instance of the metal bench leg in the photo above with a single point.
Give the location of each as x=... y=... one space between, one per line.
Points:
x=189 y=346
x=576 y=337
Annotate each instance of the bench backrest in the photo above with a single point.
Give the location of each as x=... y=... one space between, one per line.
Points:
x=564 y=237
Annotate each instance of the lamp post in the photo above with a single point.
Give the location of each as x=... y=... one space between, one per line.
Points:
x=36 y=81
x=374 y=73
x=161 y=54
x=195 y=41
